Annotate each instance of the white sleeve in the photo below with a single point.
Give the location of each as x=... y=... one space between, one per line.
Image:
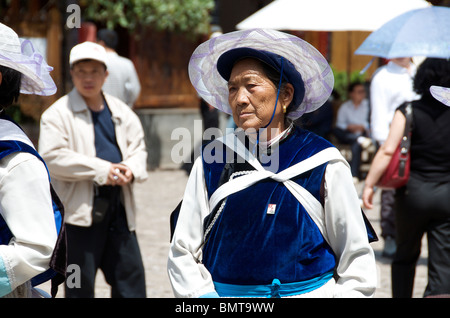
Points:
x=133 y=85
x=26 y=206
x=190 y=278
x=342 y=120
x=379 y=118
x=356 y=266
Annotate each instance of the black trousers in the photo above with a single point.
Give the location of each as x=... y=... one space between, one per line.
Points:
x=387 y=213
x=111 y=247
x=422 y=207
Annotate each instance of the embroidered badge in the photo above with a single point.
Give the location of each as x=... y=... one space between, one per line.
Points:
x=271 y=208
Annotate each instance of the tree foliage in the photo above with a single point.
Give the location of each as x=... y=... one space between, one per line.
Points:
x=186 y=16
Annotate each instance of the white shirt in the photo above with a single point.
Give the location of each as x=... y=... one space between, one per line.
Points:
x=391 y=86
x=122 y=81
x=26 y=205
x=349 y=114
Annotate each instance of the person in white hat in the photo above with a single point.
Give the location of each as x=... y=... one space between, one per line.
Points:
x=29 y=225
x=94 y=147
x=269 y=210
x=442 y=94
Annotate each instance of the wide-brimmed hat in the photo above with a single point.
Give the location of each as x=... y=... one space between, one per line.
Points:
x=442 y=94
x=312 y=67
x=20 y=55
x=87 y=51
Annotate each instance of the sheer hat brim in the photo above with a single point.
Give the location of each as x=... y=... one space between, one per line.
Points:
x=442 y=94
x=315 y=71
x=20 y=55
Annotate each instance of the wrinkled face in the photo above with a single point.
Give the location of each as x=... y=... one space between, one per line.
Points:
x=252 y=96
x=88 y=77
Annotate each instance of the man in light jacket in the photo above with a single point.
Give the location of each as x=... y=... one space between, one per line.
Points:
x=94 y=147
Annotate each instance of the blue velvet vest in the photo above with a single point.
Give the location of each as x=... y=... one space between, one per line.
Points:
x=247 y=245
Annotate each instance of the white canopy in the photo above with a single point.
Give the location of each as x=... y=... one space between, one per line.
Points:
x=328 y=15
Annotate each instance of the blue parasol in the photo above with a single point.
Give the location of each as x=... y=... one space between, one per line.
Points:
x=420 y=32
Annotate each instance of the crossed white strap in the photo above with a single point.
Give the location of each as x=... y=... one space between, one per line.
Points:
x=308 y=201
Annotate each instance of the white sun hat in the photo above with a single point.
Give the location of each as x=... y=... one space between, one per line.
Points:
x=87 y=51
x=21 y=56
x=313 y=68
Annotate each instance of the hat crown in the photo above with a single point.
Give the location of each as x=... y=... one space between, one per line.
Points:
x=87 y=51
x=9 y=41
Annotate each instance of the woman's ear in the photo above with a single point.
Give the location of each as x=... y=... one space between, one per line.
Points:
x=288 y=94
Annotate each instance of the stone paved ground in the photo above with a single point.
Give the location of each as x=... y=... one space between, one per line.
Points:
x=160 y=194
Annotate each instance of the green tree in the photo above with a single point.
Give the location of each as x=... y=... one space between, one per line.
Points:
x=342 y=80
x=191 y=17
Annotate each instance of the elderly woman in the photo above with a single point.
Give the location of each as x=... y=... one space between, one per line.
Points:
x=269 y=210
x=422 y=205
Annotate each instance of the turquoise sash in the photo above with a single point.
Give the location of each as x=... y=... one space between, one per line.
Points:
x=274 y=290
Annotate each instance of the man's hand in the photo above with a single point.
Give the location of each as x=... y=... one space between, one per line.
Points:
x=119 y=175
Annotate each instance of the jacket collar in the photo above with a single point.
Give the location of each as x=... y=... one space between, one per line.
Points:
x=78 y=104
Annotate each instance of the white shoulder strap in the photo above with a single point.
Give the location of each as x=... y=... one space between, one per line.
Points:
x=308 y=201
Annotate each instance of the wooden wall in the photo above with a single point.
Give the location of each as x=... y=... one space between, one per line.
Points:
x=161 y=60
x=339 y=47
x=343 y=46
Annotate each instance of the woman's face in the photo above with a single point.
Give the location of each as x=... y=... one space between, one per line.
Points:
x=252 y=97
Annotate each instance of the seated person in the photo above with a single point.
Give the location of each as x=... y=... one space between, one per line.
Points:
x=352 y=125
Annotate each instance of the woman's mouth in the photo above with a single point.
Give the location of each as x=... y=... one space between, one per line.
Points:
x=245 y=114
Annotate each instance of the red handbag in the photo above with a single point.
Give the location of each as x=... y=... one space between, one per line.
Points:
x=397 y=172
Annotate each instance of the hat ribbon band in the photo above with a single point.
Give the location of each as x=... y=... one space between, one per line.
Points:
x=275 y=107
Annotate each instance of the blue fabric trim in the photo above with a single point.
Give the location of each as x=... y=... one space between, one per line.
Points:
x=274 y=290
x=210 y=295
x=5 y=285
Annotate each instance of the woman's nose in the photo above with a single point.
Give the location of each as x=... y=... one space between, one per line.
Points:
x=241 y=96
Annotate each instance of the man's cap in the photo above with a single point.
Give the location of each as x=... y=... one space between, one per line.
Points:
x=87 y=51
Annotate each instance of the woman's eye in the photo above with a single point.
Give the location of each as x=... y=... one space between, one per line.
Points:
x=231 y=89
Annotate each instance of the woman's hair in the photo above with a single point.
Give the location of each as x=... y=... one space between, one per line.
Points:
x=9 y=86
x=432 y=71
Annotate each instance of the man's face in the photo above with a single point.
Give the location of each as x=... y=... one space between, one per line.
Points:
x=88 y=77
